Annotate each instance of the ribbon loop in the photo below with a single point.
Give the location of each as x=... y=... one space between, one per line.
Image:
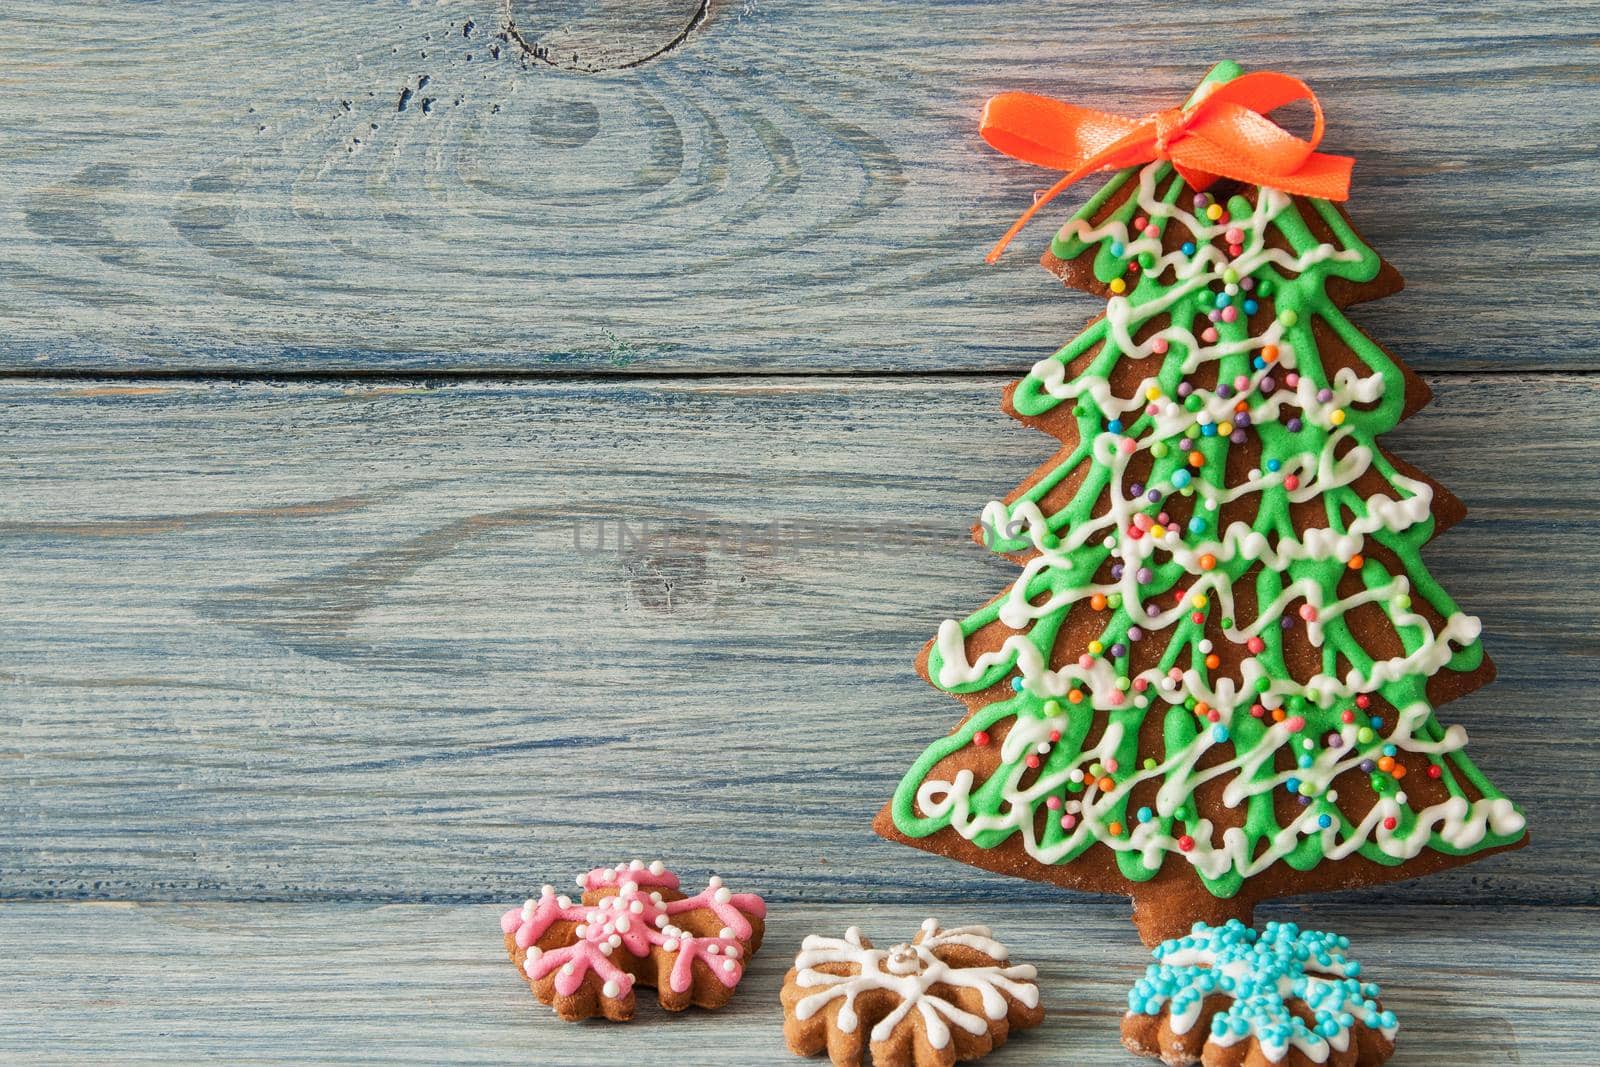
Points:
x=1224 y=132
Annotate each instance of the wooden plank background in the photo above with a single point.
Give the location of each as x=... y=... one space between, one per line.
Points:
x=796 y=186
x=339 y=343
x=342 y=983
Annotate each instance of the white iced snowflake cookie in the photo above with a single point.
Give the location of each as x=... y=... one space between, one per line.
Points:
x=948 y=995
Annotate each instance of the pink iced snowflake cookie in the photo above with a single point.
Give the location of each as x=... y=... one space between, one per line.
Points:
x=633 y=926
x=948 y=995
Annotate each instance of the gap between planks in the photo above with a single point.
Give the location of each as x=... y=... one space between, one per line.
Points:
x=533 y=376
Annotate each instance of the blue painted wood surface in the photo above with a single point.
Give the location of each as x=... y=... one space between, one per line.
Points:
x=293 y=617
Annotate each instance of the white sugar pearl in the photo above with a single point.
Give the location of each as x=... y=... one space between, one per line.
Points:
x=636 y=865
x=610 y=989
x=564 y=901
x=566 y=968
x=657 y=867
x=714 y=881
x=713 y=950
x=583 y=881
x=582 y=930
x=670 y=945
x=734 y=951
x=547 y=890
x=534 y=953
x=661 y=922
x=729 y=966
x=722 y=896
x=605 y=948
x=726 y=933
x=636 y=907
x=1205 y=645
x=624 y=924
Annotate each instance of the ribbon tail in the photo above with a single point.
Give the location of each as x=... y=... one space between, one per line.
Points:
x=1197 y=179
x=1130 y=150
x=1039 y=202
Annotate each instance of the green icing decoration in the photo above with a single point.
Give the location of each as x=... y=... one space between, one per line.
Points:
x=1071 y=729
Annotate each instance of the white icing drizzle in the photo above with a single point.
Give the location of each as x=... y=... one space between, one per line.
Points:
x=910 y=971
x=1459 y=823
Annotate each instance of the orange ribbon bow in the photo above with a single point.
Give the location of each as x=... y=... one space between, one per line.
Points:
x=1223 y=132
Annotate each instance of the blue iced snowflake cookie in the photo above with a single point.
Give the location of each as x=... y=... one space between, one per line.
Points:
x=1229 y=996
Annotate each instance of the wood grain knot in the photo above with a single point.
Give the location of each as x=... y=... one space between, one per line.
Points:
x=597 y=35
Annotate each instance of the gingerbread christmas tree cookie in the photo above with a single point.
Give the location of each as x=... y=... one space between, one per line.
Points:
x=1216 y=680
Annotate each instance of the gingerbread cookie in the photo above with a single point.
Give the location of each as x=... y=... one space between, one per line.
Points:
x=1225 y=996
x=948 y=995
x=633 y=926
x=1216 y=680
